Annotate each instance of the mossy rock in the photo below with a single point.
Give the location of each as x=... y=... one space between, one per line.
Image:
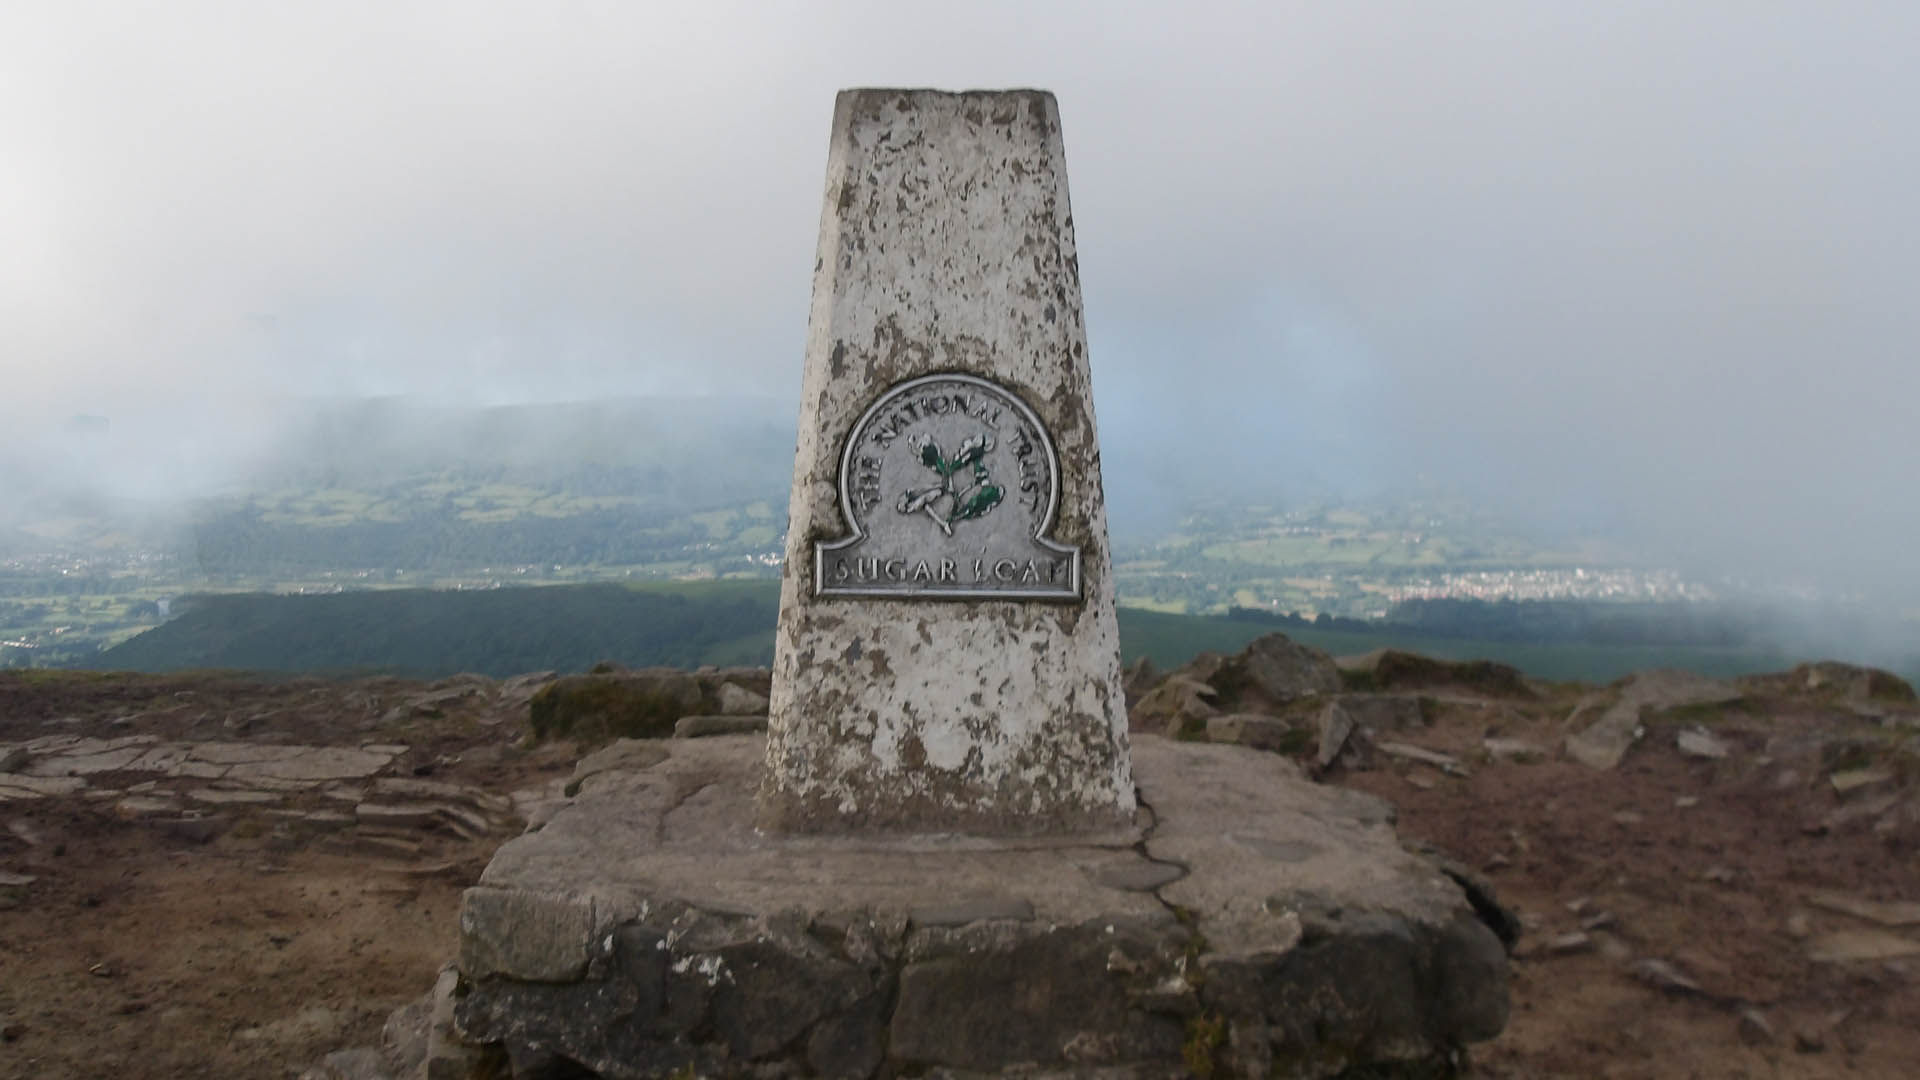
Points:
x=1297 y=742
x=1704 y=713
x=1832 y=680
x=1358 y=680
x=1190 y=728
x=1271 y=672
x=1396 y=670
x=594 y=709
x=1886 y=686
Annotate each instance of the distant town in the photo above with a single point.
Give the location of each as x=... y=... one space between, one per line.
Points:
x=60 y=604
x=1577 y=583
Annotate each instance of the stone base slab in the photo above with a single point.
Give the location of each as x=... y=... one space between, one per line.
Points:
x=1251 y=923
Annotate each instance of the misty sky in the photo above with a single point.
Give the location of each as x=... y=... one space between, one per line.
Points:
x=1650 y=268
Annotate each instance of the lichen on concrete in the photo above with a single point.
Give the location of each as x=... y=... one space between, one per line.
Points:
x=946 y=245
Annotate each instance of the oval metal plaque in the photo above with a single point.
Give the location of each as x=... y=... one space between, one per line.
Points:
x=949 y=483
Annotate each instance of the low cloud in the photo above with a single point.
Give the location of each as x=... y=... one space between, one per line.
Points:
x=1641 y=266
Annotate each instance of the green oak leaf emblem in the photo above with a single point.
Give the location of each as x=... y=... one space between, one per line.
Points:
x=964 y=490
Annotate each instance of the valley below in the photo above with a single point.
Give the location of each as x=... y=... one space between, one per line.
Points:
x=363 y=496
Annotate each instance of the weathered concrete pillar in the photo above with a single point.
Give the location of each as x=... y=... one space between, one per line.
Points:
x=947 y=658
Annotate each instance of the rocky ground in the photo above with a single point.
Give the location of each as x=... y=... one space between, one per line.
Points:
x=1714 y=879
x=203 y=875
x=211 y=876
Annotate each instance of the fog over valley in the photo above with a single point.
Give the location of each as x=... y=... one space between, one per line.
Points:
x=1503 y=302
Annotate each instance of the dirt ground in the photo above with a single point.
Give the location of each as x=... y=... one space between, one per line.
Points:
x=1707 y=865
x=149 y=945
x=146 y=949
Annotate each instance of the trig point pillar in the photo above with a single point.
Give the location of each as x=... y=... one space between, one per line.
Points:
x=947 y=657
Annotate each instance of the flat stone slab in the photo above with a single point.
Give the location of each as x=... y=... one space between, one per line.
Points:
x=315 y=763
x=66 y=760
x=38 y=787
x=139 y=806
x=475 y=797
x=232 y=795
x=648 y=927
x=1850 y=946
x=82 y=763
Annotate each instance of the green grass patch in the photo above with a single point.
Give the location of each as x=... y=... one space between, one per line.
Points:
x=1171 y=640
x=1206 y=1038
x=597 y=709
x=685 y=624
x=757 y=535
x=497 y=632
x=717 y=523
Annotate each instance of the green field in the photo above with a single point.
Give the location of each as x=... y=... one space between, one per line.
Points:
x=1341 y=559
x=1169 y=640
x=383 y=496
x=571 y=627
x=383 y=499
x=428 y=633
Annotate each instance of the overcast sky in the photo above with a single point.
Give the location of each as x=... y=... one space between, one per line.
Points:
x=1647 y=266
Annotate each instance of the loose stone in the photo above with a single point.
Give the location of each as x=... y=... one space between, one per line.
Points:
x=1565 y=944
x=1697 y=742
x=1883 y=912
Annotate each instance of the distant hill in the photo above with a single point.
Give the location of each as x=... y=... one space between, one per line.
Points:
x=422 y=632
x=389 y=484
x=506 y=631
